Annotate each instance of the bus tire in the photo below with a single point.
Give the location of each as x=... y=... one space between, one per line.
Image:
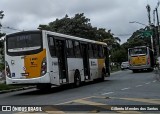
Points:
x=77 y=78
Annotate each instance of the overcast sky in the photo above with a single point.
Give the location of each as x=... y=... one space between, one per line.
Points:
x=109 y=14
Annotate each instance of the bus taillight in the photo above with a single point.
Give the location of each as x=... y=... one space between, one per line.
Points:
x=43 y=67
x=148 y=61
x=7 y=73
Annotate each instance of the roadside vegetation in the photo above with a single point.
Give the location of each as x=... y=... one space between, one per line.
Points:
x=3 y=86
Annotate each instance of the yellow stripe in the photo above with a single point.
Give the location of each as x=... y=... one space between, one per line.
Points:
x=153 y=101
x=100 y=65
x=104 y=106
x=139 y=60
x=33 y=63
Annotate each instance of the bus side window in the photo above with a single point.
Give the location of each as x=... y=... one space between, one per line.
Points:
x=100 y=51
x=95 y=48
x=51 y=44
x=77 y=49
x=91 y=50
x=70 y=49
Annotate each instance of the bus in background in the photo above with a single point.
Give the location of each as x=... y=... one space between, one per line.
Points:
x=140 y=58
x=46 y=59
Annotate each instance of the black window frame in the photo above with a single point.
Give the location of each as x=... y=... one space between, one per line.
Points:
x=95 y=50
x=20 y=53
x=54 y=54
x=100 y=51
x=77 y=55
x=67 y=46
x=91 y=51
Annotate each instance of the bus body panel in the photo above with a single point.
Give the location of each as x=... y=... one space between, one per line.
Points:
x=29 y=65
x=101 y=65
x=39 y=80
x=139 y=60
x=93 y=68
x=32 y=64
x=73 y=64
x=139 y=67
x=53 y=70
x=14 y=63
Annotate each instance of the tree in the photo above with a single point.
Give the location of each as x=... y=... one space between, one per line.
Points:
x=79 y=26
x=119 y=55
x=1 y=44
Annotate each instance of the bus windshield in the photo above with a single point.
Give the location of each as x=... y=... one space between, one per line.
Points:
x=23 y=42
x=137 y=51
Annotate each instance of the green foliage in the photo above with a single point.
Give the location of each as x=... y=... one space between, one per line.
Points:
x=9 y=87
x=119 y=55
x=2 y=53
x=2 y=66
x=79 y=26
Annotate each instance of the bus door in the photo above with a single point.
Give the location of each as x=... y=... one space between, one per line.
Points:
x=85 y=55
x=62 y=61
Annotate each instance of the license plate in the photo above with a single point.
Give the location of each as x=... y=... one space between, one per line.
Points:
x=25 y=74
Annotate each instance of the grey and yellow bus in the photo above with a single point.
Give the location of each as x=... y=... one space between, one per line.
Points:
x=140 y=58
x=46 y=59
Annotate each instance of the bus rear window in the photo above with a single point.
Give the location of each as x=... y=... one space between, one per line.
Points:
x=137 y=51
x=24 y=42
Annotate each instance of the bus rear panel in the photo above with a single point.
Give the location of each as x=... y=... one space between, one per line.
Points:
x=140 y=58
x=25 y=60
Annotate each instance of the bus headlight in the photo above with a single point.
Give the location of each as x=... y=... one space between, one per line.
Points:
x=7 y=70
x=43 y=67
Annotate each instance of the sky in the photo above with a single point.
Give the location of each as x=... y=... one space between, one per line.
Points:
x=113 y=15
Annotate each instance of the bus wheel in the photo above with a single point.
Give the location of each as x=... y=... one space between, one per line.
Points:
x=77 y=79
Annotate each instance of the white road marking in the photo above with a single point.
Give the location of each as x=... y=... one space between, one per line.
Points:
x=138 y=85
x=107 y=93
x=125 y=88
x=148 y=83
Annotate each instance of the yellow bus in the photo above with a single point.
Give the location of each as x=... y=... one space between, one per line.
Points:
x=46 y=59
x=140 y=58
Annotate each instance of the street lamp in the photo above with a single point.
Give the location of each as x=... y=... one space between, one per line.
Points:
x=158 y=39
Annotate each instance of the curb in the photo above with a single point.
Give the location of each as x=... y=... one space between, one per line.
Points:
x=17 y=89
x=30 y=87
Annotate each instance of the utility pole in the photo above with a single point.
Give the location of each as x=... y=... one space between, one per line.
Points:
x=151 y=27
x=158 y=42
x=149 y=16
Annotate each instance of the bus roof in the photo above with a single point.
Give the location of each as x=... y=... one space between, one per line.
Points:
x=138 y=47
x=62 y=35
x=74 y=37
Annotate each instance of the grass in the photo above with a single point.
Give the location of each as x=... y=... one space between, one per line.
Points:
x=8 y=87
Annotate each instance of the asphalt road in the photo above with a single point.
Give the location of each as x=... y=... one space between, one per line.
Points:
x=122 y=88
